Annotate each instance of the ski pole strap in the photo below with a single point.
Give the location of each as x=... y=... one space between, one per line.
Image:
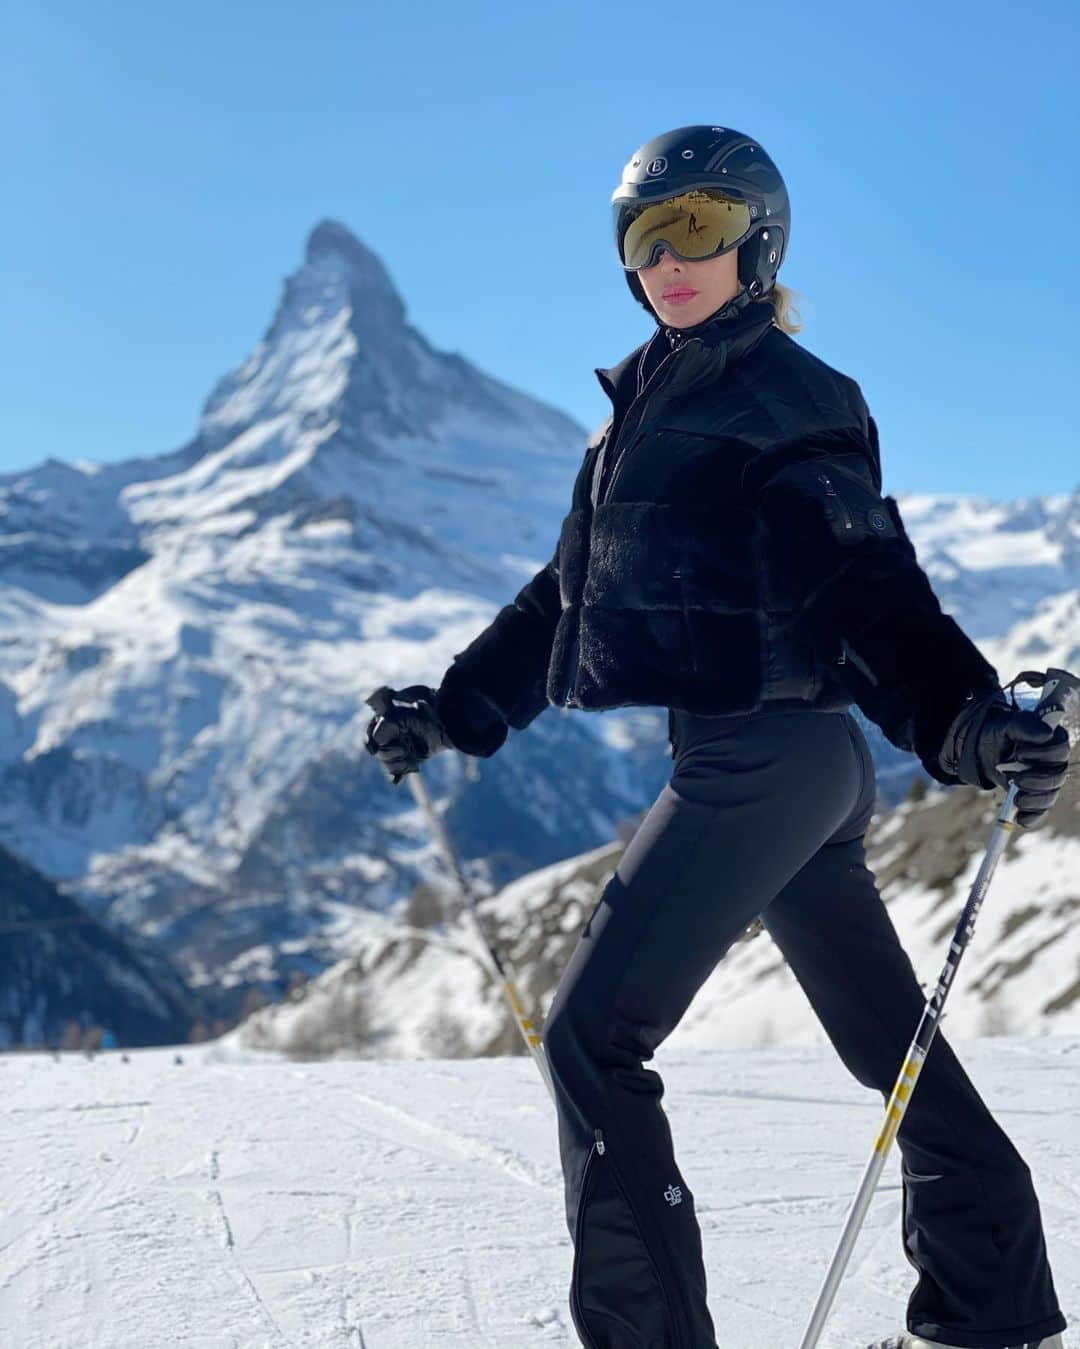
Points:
x=1061 y=694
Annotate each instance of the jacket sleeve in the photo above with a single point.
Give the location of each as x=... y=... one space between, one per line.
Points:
x=842 y=551
x=500 y=679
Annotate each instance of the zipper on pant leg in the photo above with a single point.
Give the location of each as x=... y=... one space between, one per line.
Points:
x=677 y=1340
x=597 y=1151
x=575 y=1299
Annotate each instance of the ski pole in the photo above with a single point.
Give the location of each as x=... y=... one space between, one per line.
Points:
x=498 y=967
x=1059 y=688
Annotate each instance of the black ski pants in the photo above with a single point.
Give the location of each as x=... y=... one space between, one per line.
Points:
x=765 y=814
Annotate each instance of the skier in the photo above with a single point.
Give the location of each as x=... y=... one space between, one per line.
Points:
x=728 y=555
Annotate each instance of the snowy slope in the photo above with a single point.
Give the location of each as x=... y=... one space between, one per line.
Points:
x=186 y=641
x=216 y=1204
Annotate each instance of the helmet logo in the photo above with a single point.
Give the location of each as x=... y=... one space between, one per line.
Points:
x=656 y=166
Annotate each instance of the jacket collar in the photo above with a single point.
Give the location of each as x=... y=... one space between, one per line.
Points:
x=721 y=338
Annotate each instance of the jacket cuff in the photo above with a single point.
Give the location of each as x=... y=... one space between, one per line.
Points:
x=957 y=756
x=471 y=721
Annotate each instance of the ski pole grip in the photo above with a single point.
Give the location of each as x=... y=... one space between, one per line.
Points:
x=380 y=702
x=1060 y=702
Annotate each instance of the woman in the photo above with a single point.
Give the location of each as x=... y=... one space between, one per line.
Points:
x=728 y=555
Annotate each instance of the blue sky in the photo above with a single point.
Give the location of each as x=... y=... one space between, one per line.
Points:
x=168 y=162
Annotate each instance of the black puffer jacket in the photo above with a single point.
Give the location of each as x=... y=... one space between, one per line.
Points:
x=726 y=545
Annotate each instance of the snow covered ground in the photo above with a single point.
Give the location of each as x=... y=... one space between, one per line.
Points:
x=235 y=1201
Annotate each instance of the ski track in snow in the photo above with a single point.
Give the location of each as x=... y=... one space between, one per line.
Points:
x=251 y=1203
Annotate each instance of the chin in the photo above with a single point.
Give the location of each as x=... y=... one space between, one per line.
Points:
x=683 y=315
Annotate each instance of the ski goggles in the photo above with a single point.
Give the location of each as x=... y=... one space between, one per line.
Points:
x=700 y=223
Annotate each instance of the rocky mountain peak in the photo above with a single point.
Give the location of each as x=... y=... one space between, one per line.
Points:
x=332 y=249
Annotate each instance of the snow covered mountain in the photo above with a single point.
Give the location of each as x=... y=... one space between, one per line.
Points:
x=416 y=985
x=186 y=641
x=58 y=965
x=1009 y=572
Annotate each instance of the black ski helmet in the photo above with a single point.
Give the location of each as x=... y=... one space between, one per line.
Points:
x=713 y=156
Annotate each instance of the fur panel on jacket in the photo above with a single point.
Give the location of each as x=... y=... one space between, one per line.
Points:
x=726 y=545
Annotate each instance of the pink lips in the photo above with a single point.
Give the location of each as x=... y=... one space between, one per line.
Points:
x=678 y=296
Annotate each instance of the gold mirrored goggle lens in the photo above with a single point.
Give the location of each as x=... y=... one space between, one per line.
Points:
x=694 y=225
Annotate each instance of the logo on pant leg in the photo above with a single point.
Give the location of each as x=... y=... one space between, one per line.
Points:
x=673 y=1194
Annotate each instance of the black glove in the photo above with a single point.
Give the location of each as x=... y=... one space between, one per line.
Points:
x=406 y=729
x=992 y=744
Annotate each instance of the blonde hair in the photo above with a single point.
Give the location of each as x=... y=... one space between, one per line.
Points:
x=786 y=314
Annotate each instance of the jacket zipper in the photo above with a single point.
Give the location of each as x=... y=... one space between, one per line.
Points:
x=597 y=1150
x=601 y=494
x=605 y=493
x=678 y=575
x=857 y=661
x=830 y=491
x=856 y=477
